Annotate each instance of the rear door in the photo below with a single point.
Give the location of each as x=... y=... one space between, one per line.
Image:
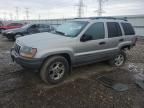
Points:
x=129 y=33
x=115 y=37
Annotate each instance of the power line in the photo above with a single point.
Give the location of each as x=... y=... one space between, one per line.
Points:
x=11 y=16
x=27 y=13
x=80 y=6
x=100 y=7
x=39 y=17
x=4 y=15
x=17 y=13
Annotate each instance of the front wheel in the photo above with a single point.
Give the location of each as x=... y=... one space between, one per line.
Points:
x=16 y=36
x=54 y=70
x=118 y=60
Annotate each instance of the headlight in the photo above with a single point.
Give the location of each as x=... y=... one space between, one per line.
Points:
x=28 y=52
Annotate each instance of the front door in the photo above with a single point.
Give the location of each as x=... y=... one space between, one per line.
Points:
x=94 y=49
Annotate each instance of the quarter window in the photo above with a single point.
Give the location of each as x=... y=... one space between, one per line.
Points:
x=128 y=29
x=114 y=29
x=96 y=31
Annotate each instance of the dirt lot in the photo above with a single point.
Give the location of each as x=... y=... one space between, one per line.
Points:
x=20 y=88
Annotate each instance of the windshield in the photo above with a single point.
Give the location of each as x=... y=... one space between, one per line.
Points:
x=71 y=29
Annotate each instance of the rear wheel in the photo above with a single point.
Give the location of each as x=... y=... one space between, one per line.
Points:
x=118 y=60
x=54 y=70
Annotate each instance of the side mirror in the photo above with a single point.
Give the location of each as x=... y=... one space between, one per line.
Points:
x=85 y=38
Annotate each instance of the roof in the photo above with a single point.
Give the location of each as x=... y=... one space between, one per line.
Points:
x=130 y=16
x=100 y=18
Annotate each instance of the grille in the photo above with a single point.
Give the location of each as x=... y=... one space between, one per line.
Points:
x=17 y=48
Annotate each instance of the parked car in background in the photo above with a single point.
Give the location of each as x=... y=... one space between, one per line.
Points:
x=78 y=42
x=11 y=26
x=27 y=30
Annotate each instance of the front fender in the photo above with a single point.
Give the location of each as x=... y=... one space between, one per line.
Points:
x=45 y=54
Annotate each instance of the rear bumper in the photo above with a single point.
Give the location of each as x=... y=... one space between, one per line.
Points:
x=28 y=63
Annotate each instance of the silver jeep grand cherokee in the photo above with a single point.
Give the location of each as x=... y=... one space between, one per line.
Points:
x=77 y=42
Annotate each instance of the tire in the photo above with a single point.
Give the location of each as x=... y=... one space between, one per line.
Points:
x=54 y=70
x=118 y=60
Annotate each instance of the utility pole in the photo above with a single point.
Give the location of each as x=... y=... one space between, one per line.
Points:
x=80 y=8
x=4 y=15
x=17 y=13
x=100 y=11
x=100 y=7
x=27 y=13
x=11 y=16
x=39 y=17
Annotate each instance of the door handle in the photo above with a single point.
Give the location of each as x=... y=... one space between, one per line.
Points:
x=102 y=43
x=121 y=40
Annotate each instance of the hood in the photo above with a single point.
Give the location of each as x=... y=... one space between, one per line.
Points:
x=35 y=40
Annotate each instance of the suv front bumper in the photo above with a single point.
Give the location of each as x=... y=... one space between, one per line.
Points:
x=24 y=62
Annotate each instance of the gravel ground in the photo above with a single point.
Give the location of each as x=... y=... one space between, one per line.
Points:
x=20 y=88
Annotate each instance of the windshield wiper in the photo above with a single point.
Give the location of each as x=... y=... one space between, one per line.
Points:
x=61 y=33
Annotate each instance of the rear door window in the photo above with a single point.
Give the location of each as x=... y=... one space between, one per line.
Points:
x=128 y=29
x=114 y=29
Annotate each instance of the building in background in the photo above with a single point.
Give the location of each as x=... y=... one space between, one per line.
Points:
x=136 y=20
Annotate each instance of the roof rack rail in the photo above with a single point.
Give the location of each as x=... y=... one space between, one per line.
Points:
x=125 y=19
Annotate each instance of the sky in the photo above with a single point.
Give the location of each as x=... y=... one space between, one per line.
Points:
x=51 y=9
